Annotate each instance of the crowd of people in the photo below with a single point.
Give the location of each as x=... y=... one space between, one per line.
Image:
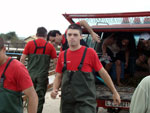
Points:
x=74 y=69
x=119 y=48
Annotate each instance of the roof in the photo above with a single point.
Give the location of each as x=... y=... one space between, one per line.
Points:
x=30 y=38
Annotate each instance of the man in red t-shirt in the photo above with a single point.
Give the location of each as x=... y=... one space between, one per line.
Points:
x=15 y=79
x=56 y=38
x=74 y=74
x=39 y=53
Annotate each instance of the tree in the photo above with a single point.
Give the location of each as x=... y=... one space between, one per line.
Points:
x=9 y=36
x=13 y=39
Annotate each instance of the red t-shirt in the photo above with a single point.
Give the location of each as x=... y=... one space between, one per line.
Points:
x=73 y=60
x=17 y=76
x=30 y=48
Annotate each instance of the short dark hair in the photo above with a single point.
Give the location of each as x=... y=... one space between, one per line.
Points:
x=75 y=26
x=53 y=33
x=41 y=32
x=1 y=43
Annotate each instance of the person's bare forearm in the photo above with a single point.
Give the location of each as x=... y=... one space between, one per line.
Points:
x=33 y=99
x=104 y=49
x=86 y=26
x=22 y=60
x=55 y=62
x=23 y=57
x=56 y=85
x=57 y=81
x=90 y=30
x=105 y=76
x=33 y=103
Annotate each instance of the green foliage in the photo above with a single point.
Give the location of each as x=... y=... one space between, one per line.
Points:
x=9 y=36
x=12 y=38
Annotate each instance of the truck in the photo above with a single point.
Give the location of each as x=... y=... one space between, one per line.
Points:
x=104 y=24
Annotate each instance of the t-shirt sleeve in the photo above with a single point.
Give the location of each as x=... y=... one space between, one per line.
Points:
x=26 y=49
x=59 y=66
x=78 y=23
x=23 y=78
x=95 y=60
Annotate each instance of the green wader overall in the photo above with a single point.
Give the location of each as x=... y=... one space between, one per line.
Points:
x=78 y=90
x=10 y=101
x=38 y=66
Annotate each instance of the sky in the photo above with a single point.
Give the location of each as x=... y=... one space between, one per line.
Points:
x=25 y=16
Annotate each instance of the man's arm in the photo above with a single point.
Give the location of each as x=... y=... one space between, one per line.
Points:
x=105 y=76
x=55 y=61
x=33 y=99
x=126 y=58
x=56 y=85
x=108 y=41
x=89 y=29
x=23 y=58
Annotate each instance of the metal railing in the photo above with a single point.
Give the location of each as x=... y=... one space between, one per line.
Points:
x=14 y=47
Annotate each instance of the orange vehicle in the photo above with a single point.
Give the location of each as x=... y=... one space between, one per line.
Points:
x=105 y=24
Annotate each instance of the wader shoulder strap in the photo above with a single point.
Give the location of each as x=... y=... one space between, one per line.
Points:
x=35 y=46
x=65 y=61
x=65 y=45
x=3 y=74
x=38 y=47
x=82 y=60
x=44 y=48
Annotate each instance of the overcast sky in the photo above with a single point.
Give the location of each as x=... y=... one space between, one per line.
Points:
x=24 y=16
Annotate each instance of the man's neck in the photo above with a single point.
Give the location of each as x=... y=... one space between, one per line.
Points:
x=41 y=38
x=3 y=59
x=73 y=48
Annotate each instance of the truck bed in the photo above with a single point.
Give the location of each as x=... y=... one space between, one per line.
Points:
x=103 y=92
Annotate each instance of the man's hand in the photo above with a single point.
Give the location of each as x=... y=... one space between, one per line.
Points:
x=116 y=98
x=95 y=37
x=54 y=93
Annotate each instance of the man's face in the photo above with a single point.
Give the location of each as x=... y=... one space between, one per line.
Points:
x=2 y=53
x=73 y=37
x=56 y=40
x=145 y=42
x=125 y=42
